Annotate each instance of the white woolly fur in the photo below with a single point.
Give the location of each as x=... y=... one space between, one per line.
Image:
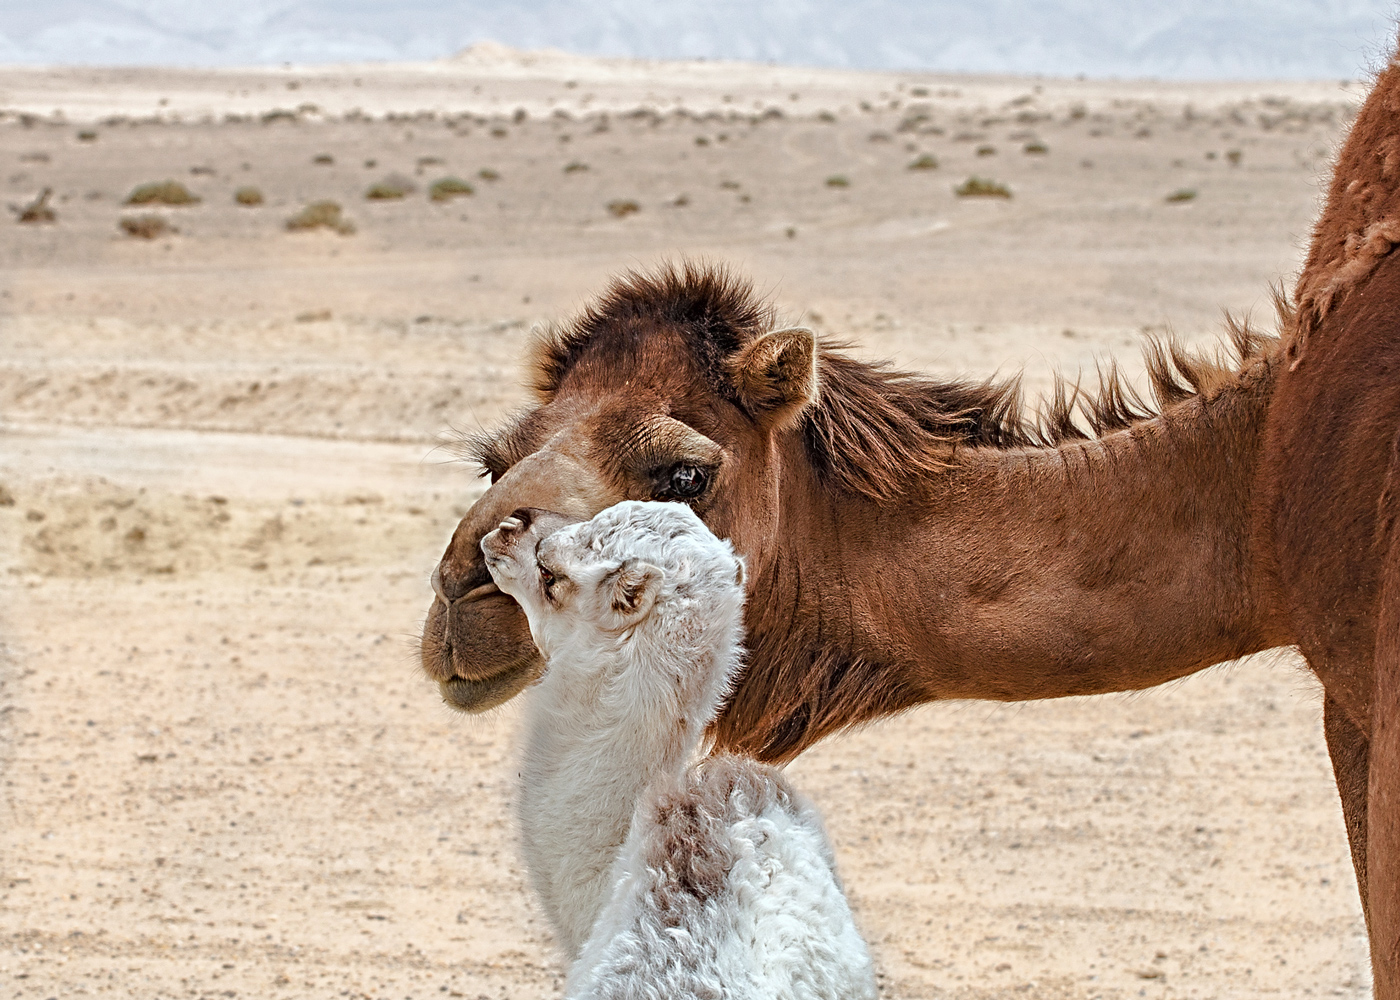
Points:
x=664 y=876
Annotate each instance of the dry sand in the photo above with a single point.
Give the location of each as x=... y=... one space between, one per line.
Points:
x=225 y=483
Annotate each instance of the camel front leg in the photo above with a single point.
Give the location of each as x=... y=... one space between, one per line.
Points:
x=1350 y=752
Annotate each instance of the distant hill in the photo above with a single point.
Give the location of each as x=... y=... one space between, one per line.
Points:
x=1164 y=38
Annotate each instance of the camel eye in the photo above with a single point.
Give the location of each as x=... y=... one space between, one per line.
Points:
x=546 y=578
x=688 y=481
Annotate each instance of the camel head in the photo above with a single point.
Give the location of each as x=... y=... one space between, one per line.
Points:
x=674 y=386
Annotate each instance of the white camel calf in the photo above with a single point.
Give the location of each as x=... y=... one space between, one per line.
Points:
x=664 y=876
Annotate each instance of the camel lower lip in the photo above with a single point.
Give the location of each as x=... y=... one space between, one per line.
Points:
x=475 y=696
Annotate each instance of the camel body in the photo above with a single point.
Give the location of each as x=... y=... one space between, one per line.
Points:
x=911 y=539
x=663 y=876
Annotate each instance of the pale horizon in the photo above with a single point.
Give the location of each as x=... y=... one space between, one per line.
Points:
x=1191 y=40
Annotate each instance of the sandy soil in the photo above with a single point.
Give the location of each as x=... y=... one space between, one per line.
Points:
x=227 y=472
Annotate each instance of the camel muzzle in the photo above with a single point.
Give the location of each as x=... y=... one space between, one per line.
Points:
x=476 y=641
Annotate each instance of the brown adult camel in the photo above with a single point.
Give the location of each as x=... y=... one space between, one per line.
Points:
x=910 y=539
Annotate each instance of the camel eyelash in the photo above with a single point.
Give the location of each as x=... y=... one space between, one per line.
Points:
x=493 y=452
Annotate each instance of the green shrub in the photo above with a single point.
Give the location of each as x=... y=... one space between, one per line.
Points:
x=161 y=193
x=248 y=196
x=146 y=227
x=1035 y=148
x=390 y=188
x=1182 y=194
x=448 y=188
x=321 y=215
x=981 y=187
x=623 y=207
x=838 y=181
x=925 y=162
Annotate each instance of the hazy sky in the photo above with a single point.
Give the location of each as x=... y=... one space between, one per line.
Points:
x=1170 y=38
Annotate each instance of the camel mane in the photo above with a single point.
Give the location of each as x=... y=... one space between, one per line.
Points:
x=873 y=425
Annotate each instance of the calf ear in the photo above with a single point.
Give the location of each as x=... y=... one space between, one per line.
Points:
x=633 y=586
x=775 y=376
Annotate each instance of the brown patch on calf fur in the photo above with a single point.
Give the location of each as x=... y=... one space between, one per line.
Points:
x=1361 y=223
x=692 y=852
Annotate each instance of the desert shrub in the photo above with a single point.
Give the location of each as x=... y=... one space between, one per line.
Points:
x=447 y=188
x=37 y=211
x=248 y=196
x=575 y=167
x=323 y=159
x=986 y=151
x=161 y=193
x=87 y=135
x=321 y=215
x=1035 y=148
x=1234 y=156
x=925 y=162
x=623 y=207
x=838 y=181
x=390 y=188
x=981 y=187
x=1182 y=194
x=146 y=227
x=487 y=174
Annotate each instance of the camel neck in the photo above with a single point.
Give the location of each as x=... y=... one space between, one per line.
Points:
x=592 y=751
x=1109 y=564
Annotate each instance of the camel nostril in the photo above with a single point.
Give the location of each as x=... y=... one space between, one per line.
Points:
x=450 y=588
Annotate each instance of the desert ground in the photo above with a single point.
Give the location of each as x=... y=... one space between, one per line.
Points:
x=227 y=468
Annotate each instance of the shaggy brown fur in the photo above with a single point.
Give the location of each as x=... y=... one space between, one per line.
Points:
x=871 y=426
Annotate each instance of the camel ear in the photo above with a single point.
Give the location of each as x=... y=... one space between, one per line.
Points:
x=633 y=586
x=775 y=376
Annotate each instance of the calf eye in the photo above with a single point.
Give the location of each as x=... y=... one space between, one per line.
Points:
x=547 y=578
x=687 y=481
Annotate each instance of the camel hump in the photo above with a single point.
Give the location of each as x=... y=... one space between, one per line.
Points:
x=1361 y=223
